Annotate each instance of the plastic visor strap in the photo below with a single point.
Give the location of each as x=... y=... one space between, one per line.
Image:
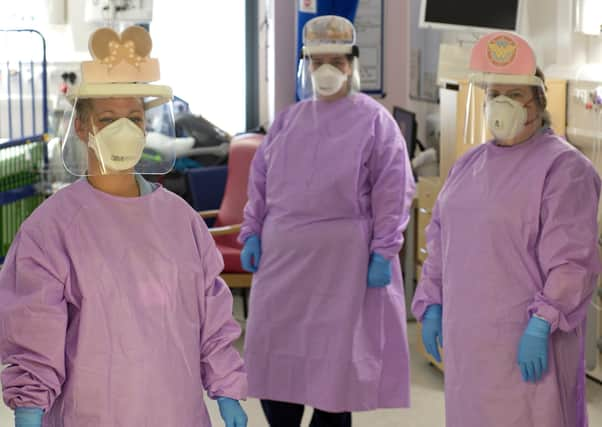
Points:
x=156 y=102
x=466 y=112
x=598 y=143
x=472 y=128
x=528 y=122
x=483 y=131
x=596 y=124
x=103 y=168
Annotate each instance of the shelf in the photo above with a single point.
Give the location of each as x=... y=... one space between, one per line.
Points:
x=596 y=374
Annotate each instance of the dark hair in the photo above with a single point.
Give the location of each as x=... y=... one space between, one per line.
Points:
x=538 y=92
x=540 y=98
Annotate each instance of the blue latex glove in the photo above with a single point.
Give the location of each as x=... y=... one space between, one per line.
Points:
x=432 y=330
x=232 y=413
x=251 y=254
x=533 y=350
x=28 y=417
x=379 y=271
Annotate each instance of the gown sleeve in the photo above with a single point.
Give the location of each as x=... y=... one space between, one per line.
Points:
x=429 y=289
x=393 y=187
x=33 y=324
x=222 y=368
x=568 y=243
x=255 y=209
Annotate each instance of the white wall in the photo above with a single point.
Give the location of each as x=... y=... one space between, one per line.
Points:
x=560 y=51
x=263 y=17
x=397 y=53
x=63 y=27
x=282 y=61
x=69 y=42
x=201 y=48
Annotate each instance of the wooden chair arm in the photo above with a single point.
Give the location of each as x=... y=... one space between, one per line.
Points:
x=225 y=230
x=209 y=214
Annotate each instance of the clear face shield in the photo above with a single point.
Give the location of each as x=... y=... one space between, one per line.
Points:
x=503 y=108
x=327 y=76
x=119 y=135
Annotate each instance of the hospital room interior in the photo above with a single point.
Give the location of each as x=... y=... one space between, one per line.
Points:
x=301 y=213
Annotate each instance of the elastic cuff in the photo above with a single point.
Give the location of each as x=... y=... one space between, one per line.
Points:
x=420 y=307
x=245 y=235
x=378 y=256
x=223 y=398
x=29 y=410
x=538 y=327
x=232 y=394
x=546 y=312
x=386 y=248
x=387 y=255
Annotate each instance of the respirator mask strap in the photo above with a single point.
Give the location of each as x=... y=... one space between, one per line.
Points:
x=93 y=144
x=528 y=122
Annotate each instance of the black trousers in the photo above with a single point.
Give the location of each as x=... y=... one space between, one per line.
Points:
x=283 y=414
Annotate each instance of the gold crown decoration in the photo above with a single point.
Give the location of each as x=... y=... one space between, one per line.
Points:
x=120 y=58
x=501 y=50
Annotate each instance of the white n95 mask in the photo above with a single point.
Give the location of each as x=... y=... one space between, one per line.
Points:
x=506 y=118
x=118 y=146
x=328 y=80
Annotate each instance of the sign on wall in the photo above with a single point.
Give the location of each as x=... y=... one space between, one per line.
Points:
x=104 y=11
x=424 y=58
x=370 y=35
x=308 y=6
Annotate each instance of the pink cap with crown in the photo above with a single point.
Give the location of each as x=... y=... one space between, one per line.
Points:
x=503 y=53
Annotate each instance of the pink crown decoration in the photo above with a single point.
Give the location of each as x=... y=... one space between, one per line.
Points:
x=120 y=58
x=503 y=53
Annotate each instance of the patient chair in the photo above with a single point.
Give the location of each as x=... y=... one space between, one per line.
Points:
x=229 y=217
x=206 y=187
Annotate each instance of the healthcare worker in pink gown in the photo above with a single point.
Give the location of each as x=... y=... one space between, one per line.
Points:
x=512 y=257
x=329 y=197
x=112 y=312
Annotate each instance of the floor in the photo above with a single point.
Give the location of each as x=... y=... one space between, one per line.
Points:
x=427 y=400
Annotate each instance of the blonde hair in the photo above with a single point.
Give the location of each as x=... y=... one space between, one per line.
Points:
x=83 y=108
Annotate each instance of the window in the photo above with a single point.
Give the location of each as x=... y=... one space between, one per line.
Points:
x=201 y=49
x=23 y=13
